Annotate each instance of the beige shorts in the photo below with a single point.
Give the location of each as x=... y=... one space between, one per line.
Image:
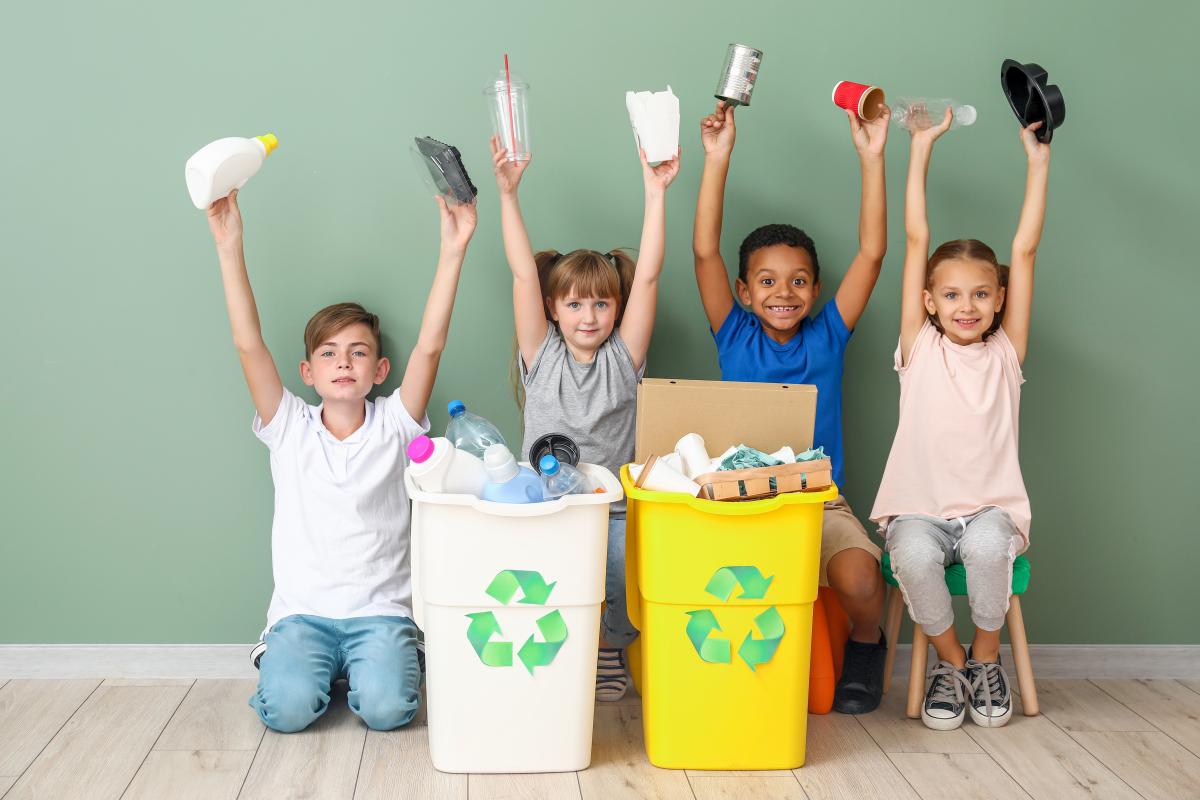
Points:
x=841 y=530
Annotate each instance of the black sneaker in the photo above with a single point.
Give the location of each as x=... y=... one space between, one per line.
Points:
x=991 y=701
x=861 y=686
x=612 y=681
x=946 y=698
x=256 y=653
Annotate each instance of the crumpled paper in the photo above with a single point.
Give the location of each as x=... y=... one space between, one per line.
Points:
x=655 y=119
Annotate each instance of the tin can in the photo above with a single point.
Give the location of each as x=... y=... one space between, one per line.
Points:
x=739 y=74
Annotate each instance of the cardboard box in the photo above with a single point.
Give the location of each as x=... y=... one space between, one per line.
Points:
x=765 y=416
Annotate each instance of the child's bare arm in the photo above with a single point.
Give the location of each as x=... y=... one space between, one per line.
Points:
x=859 y=281
x=458 y=224
x=717 y=134
x=262 y=377
x=529 y=307
x=916 y=229
x=1019 y=297
x=637 y=322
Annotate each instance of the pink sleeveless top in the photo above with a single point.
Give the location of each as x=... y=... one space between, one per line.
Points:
x=955 y=451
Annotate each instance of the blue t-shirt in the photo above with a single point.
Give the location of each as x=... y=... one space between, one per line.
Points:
x=816 y=355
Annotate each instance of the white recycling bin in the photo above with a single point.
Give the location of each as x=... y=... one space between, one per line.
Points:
x=509 y=596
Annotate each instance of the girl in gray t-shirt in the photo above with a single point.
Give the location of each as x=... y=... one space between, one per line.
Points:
x=584 y=321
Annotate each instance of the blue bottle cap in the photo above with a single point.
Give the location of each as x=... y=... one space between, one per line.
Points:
x=548 y=465
x=456 y=407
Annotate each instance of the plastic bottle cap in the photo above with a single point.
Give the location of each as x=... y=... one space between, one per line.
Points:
x=420 y=449
x=966 y=115
x=269 y=142
x=456 y=407
x=549 y=465
x=499 y=462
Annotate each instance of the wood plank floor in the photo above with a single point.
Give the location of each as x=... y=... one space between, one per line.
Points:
x=183 y=739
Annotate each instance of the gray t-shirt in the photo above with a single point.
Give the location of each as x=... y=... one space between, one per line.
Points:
x=595 y=404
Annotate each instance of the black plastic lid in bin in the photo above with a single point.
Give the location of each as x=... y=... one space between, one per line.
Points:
x=559 y=445
x=1032 y=98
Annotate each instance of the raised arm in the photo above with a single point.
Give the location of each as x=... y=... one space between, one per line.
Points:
x=637 y=321
x=262 y=377
x=859 y=281
x=1019 y=298
x=717 y=134
x=457 y=224
x=529 y=308
x=916 y=230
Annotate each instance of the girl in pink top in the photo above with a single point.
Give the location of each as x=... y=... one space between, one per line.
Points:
x=952 y=491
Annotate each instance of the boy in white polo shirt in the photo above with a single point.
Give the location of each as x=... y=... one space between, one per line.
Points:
x=339 y=542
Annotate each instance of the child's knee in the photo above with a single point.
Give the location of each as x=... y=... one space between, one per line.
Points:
x=385 y=705
x=854 y=574
x=915 y=556
x=289 y=704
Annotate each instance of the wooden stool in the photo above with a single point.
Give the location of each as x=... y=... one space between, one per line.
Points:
x=956 y=582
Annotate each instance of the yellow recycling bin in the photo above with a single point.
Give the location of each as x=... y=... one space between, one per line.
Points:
x=722 y=593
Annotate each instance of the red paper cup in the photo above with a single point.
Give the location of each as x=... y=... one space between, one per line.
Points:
x=866 y=101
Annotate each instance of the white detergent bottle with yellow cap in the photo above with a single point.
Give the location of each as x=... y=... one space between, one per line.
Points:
x=219 y=167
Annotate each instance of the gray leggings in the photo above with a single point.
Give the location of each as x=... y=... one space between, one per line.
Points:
x=922 y=547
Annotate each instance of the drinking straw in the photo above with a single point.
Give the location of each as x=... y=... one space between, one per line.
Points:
x=512 y=122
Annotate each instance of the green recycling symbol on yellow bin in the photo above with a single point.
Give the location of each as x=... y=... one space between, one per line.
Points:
x=703 y=622
x=535 y=592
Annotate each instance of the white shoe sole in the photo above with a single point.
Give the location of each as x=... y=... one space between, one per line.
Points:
x=984 y=721
x=943 y=723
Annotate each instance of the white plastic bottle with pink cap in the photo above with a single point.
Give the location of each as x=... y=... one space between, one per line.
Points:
x=438 y=466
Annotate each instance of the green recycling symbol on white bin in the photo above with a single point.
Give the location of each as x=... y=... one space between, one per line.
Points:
x=703 y=622
x=534 y=591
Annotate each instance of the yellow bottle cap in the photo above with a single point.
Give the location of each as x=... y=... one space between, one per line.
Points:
x=269 y=141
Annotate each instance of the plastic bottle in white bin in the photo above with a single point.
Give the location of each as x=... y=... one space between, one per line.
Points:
x=219 y=167
x=917 y=114
x=559 y=479
x=438 y=466
x=508 y=481
x=471 y=432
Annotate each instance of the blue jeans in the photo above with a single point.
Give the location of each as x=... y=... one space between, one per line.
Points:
x=615 y=626
x=306 y=654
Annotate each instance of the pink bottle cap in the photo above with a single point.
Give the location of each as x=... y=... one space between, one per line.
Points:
x=420 y=449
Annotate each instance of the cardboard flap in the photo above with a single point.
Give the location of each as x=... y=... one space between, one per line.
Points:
x=765 y=416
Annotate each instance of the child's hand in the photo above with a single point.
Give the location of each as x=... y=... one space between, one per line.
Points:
x=1037 y=152
x=927 y=135
x=458 y=224
x=717 y=131
x=508 y=173
x=659 y=178
x=225 y=220
x=869 y=137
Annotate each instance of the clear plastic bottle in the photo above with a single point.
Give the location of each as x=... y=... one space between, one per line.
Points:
x=508 y=481
x=918 y=113
x=471 y=432
x=559 y=479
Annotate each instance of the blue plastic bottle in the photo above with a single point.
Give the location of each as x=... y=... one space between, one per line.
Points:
x=560 y=479
x=508 y=482
x=471 y=432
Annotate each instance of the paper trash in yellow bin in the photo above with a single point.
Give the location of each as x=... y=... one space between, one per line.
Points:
x=722 y=592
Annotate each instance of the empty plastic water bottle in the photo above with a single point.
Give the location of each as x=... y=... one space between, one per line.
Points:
x=559 y=479
x=471 y=432
x=917 y=114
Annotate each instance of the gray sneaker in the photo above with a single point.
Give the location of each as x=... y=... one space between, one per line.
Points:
x=991 y=700
x=946 y=698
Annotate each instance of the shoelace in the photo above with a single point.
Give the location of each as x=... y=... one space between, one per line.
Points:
x=990 y=683
x=948 y=685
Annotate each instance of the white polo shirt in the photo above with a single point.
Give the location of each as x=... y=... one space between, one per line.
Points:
x=339 y=540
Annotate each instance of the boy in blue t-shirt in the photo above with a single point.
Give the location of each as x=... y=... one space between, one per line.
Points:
x=777 y=341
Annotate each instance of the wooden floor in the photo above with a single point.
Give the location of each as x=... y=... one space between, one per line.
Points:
x=182 y=739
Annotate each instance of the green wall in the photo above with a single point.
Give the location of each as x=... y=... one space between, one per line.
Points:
x=137 y=503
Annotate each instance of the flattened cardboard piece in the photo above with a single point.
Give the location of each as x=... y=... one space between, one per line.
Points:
x=764 y=416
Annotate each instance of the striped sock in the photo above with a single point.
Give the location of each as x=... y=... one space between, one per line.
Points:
x=611 y=680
